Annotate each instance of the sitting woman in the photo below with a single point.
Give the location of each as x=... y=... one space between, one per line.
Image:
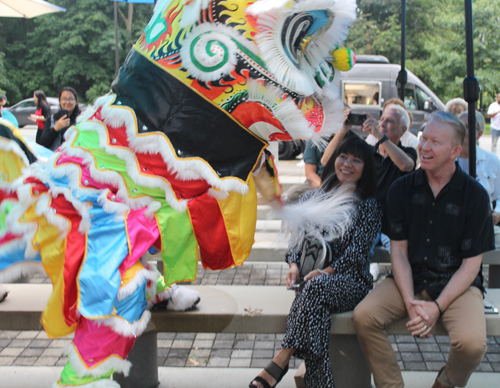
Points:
x=343 y=283
x=54 y=129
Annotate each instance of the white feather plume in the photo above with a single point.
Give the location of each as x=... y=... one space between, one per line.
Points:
x=324 y=217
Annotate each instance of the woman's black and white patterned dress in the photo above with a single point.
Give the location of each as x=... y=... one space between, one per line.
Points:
x=308 y=324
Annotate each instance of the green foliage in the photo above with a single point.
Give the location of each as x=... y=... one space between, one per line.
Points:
x=435 y=41
x=75 y=48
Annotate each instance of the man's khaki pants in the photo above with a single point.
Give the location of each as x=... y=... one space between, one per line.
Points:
x=464 y=320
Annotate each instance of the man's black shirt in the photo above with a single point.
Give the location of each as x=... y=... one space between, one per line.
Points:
x=387 y=173
x=441 y=231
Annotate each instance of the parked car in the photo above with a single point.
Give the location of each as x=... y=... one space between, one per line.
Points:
x=373 y=80
x=23 y=109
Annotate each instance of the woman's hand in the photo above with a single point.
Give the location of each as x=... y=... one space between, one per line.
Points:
x=63 y=122
x=317 y=272
x=293 y=275
x=33 y=117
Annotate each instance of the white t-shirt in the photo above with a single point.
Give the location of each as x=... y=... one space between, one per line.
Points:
x=495 y=120
x=407 y=140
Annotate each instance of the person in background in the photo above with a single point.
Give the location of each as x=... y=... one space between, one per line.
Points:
x=313 y=168
x=408 y=139
x=5 y=114
x=487 y=165
x=456 y=106
x=3 y=101
x=493 y=114
x=343 y=283
x=41 y=114
x=54 y=129
x=440 y=225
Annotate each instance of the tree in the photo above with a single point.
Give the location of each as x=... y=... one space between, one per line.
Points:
x=75 y=48
x=435 y=34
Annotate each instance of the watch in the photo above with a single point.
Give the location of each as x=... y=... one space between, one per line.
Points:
x=384 y=138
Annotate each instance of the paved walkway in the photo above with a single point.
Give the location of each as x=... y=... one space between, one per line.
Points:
x=200 y=350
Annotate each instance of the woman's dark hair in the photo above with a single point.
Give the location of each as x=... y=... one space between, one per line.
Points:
x=356 y=146
x=76 y=111
x=42 y=99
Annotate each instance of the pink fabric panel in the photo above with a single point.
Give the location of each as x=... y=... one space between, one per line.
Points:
x=142 y=232
x=96 y=343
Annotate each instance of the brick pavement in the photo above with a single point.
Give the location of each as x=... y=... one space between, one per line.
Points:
x=232 y=350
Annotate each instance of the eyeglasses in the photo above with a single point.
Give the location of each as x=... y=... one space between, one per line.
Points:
x=65 y=100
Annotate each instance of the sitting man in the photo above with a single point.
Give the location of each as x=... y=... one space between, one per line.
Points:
x=408 y=139
x=487 y=165
x=440 y=226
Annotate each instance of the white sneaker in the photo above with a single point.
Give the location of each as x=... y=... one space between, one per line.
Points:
x=374 y=270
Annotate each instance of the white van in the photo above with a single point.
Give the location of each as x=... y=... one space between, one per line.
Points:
x=373 y=80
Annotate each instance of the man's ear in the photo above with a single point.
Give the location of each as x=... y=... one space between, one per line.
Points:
x=456 y=151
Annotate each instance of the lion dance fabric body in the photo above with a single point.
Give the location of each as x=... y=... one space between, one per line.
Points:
x=168 y=160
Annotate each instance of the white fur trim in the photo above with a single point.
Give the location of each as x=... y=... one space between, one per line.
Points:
x=300 y=77
x=139 y=279
x=114 y=178
x=197 y=42
x=19 y=270
x=125 y=328
x=160 y=297
x=284 y=109
x=217 y=194
x=181 y=298
x=277 y=61
x=158 y=144
x=113 y=363
x=191 y=12
x=333 y=120
x=263 y=6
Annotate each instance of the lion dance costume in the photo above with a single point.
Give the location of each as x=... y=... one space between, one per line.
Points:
x=170 y=159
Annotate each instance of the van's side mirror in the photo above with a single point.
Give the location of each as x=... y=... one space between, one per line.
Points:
x=429 y=105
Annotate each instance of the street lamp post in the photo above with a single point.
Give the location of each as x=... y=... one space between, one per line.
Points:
x=403 y=75
x=471 y=86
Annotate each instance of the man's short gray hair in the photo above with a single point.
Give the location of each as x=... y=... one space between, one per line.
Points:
x=441 y=117
x=480 y=124
x=404 y=117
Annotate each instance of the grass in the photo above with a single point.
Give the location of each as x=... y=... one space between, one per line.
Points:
x=487 y=130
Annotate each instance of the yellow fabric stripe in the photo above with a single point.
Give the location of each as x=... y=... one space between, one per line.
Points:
x=11 y=166
x=240 y=217
x=53 y=253
x=130 y=273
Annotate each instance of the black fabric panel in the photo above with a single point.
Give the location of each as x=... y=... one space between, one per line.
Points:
x=194 y=126
x=7 y=133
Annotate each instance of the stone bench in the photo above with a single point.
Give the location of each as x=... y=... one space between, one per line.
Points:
x=265 y=252
x=223 y=309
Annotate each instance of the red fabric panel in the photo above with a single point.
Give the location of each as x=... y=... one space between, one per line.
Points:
x=210 y=231
x=75 y=249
